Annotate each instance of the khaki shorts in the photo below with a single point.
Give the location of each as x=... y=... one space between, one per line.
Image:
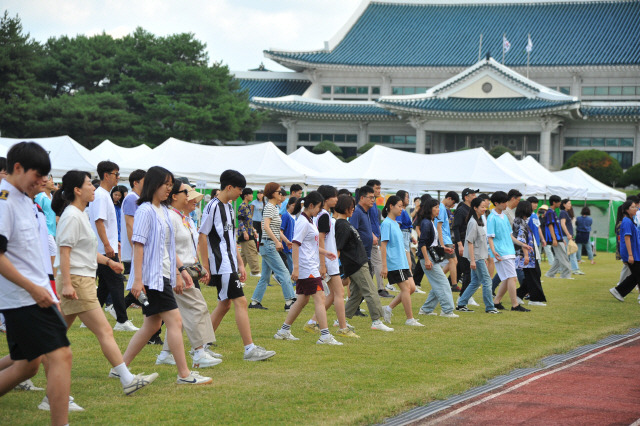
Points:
x=85 y=288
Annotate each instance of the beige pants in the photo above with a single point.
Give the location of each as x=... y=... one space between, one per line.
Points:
x=249 y=254
x=195 y=318
x=376 y=262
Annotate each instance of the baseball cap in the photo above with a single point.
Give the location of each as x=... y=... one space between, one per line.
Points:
x=468 y=191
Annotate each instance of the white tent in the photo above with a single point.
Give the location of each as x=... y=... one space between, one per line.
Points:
x=318 y=162
x=545 y=186
x=596 y=190
x=107 y=150
x=561 y=187
x=65 y=154
x=396 y=169
x=3 y=151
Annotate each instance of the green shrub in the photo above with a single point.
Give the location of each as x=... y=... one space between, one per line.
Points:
x=325 y=146
x=499 y=150
x=366 y=147
x=631 y=176
x=598 y=164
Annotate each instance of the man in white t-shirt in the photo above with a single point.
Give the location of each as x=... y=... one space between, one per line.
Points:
x=102 y=214
x=36 y=331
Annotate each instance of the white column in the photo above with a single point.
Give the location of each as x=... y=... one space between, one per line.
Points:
x=547 y=124
x=385 y=88
x=636 y=144
x=292 y=133
x=420 y=124
x=315 y=90
x=363 y=133
x=576 y=86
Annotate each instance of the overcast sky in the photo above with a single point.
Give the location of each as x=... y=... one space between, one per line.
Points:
x=235 y=31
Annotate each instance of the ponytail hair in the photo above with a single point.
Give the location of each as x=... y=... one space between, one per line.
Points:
x=391 y=201
x=475 y=203
x=65 y=195
x=311 y=199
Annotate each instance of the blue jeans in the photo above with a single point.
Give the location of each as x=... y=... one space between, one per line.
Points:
x=589 y=250
x=573 y=258
x=271 y=261
x=440 y=289
x=479 y=277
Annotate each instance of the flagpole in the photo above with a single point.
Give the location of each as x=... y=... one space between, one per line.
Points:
x=504 y=36
x=480 y=49
x=528 y=53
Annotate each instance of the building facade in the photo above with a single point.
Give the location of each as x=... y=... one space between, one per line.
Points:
x=437 y=76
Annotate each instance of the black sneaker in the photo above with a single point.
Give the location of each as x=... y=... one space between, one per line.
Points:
x=384 y=293
x=156 y=340
x=463 y=309
x=493 y=311
x=527 y=297
x=288 y=306
x=359 y=313
x=520 y=308
x=256 y=305
x=499 y=306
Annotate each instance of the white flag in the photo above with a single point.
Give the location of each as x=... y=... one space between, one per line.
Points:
x=529 y=44
x=505 y=44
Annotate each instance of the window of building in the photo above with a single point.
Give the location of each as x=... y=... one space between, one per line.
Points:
x=610 y=91
x=402 y=90
x=626 y=142
x=615 y=90
x=271 y=137
x=628 y=90
x=338 y=90
x=624 y=158
x=601 y=91
x=612 y=142
x=584 y=142
x=570 y=142
x=319 y=137
x=326 y=90
x=599 y=142
x=588 y=91
x=375 y=90
x=393 y=139
x=565 y=89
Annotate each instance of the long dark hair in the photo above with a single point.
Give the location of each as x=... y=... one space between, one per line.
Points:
x=391 y=201
x=622 y=211
x=475 y=203
x=64 y=196
x=177 y=184
x=563 y=207
x=425 y=209
x=156 y=177
x=312 y=198
x=118 y=188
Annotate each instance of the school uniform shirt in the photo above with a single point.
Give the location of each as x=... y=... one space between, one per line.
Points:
x=534 y=224
x=352 y=252
x=20 y=242
x=74 y=230
x=271 y=211
x=327 y=225
x=550 y=218
x=151 y=228
x=306 y=236
x=443 y=217
x=476 y=236
x=44 y=202
x=102 y=208
x=218 y=224
x=499 y=228
x=287 y=227
x=129 y=207
x=396 y=254
x=627 y=227
x=362 y=222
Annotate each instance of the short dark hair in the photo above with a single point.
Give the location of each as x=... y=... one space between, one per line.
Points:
x=533 y=200
x=554 y=199
x=121 y=189
x=344 y=191
x=246 y=192
x=633 y=198
x=3 y=164
x=364 y=191
x=484 y=196
x=373 y=182
x=401 y=194
x=499 y=197
x=30 y=156
x=295 y=187
x=156 y=177
x=270 y=189
x=514 y=193
x=106 y=167
x=327 y=191
x=454 y=196
x=233 y=178
x=345 y=202
x=136 y=176
x=586 y=211
x=523 y=210
x=292 y=200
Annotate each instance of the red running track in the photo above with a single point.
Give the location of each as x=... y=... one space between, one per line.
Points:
x=600 y=388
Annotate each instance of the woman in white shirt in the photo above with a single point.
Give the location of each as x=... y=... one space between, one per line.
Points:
x=77 y=262
x=306 y=269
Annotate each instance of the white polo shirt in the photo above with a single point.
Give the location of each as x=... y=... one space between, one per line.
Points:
x=306 y=236
x=19 y=229
x=102 y=208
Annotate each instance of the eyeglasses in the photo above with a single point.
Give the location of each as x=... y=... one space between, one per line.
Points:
x=372 y=197
x=116 y=174
x=184 y=191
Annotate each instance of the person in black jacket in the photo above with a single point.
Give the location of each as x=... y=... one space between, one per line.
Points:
x=459 y=231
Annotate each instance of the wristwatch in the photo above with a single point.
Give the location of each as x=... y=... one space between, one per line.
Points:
x=182 y=268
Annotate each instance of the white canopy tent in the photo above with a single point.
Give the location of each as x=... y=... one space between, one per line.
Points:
x=319 y=162
x=596 y=190
x=107 y=150
x=3 y=151
x=555 y=184
x=65 y=154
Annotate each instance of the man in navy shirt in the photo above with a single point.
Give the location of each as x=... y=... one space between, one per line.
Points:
x=376 y=255
x=360 y=218
x=553 y=235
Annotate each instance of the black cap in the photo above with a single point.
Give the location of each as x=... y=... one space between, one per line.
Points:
x=468 y=191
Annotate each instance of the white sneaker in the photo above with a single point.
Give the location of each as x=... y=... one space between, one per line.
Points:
x=212 y=353
x=413 y=322
x=284 y=335
x=139 y=381
x=390 y=287
x=449 y=315
x=349 y=326
x=194 y=378
x=615 y=294
x=328 y=341
x=82 y=325
x=125 y=326
x=387 y=314
x=44 y=405
x=258 y=354
x=205 y=361
x=27 y=385
x=423 y=312
x=531 y=303
x=472 y=302
x=169 y=360
x=378 y=325
x=520 y=301
x=254 y=275
x=419 y=291
x=111 y=311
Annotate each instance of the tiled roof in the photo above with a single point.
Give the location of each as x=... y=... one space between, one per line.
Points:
x=611 y=111
x=572 y=33
x=474 y=106
x=340 y=110
x=273 y=88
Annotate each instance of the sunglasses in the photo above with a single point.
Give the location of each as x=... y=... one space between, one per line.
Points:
x=184 y=191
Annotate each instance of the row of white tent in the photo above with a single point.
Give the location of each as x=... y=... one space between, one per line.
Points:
x=264 y=162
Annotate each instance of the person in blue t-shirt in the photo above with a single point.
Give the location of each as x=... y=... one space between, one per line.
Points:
x=288 y=227
x=294 y=192
x=629 y=250
x=395 y=260
x=554 y=236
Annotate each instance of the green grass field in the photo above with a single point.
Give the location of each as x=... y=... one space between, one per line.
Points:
x=364 y=381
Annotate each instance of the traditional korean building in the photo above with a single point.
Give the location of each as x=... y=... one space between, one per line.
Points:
x=430 y=77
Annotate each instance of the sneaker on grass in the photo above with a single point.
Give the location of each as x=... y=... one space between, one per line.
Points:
x=423 y=312
x=616 y=294
x=346 y=332
x=155 y=340
x=111 y=311
x=328 y=340
x=390 y=287
x=169 y=360
x=520 y=308
x=520 y=302
x=139 y=381
x=577 y=272
x=311 y=328
x=28 y=385
x=256 y=305
x=336 y=323
x=419 y=290
x=125 y=326
x=284 y=335
x=413 y=323
x=194 y=378
x=44 y=405
x=258 y=354
x=463 y=309
x=449 y=315
x=493 y=311
x=205 y=361
x=532 y=303
x=387 y=314
x=3 y=328
x=472 y=302
x=82 y=325
x=499 y=306
x=212 y=353
x=378 y=325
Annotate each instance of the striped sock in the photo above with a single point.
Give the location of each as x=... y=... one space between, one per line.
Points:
x=324 y=332
x=285 y=327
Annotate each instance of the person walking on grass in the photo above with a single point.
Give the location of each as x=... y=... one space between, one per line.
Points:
x=583 y=234
x=219 y=257
x=375 y=256
x=629 y=250
x=246 y=233
x=287 y=229
x=501 y=243
x=77 y=261
x=270 y=245
x=256 y=214
x=528 y=260
x=330 y=268
x=476 y=251
x=566 y=223
x=158 y=272
x=355 y=264
x=555 y=236
x=431 y=254
x=395 y=261
x=459 y=231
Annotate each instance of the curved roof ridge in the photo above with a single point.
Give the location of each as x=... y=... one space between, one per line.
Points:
x=302 y=99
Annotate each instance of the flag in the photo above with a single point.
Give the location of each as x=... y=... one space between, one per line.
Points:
x=529 y=44
x=505 y=44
